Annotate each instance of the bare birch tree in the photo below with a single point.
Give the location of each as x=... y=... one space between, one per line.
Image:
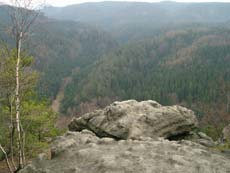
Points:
x=22 y=16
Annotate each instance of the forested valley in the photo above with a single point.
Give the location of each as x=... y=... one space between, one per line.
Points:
x=84 y=57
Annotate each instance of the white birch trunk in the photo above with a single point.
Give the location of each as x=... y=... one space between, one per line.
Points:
x=17 y=102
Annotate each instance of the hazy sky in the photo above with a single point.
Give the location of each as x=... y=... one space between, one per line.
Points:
x=68 y=2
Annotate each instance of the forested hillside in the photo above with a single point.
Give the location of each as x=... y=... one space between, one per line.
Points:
x=188 y=67
x=76 y=46
x=60 y=47
x=175 y=53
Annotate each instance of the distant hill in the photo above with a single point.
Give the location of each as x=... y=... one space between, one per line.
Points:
x=110 y=14
x=127 y=19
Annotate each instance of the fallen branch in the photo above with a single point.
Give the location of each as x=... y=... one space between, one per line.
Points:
x=6 y=158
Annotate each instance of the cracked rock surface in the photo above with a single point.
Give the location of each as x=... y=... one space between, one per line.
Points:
x=131 y=137
x=84 y=152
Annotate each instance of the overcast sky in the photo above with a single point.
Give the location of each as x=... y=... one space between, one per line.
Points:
x=68 y=2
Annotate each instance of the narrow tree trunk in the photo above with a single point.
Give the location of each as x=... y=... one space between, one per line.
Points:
x=23 y=144
x=228 y=102
x=6 y=158
x=12 y=130
x=17 y=102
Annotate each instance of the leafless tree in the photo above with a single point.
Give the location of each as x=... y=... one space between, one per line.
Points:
x=23 y=15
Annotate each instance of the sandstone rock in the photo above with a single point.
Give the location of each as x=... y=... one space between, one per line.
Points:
x=204 y=136
x=226 y=133
x=206 y=143
x=145 y=155
x=132 y=120
x=202 y=139
x=130 y=137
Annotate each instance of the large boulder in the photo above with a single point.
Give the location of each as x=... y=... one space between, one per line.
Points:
x=84 y=152
x=131 y=120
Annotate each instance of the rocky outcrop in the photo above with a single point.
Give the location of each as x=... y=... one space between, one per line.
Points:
x=132 y=137
x=84 y=152
x=132 y=120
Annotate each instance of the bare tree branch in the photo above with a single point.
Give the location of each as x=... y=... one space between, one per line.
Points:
x=6 y=158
